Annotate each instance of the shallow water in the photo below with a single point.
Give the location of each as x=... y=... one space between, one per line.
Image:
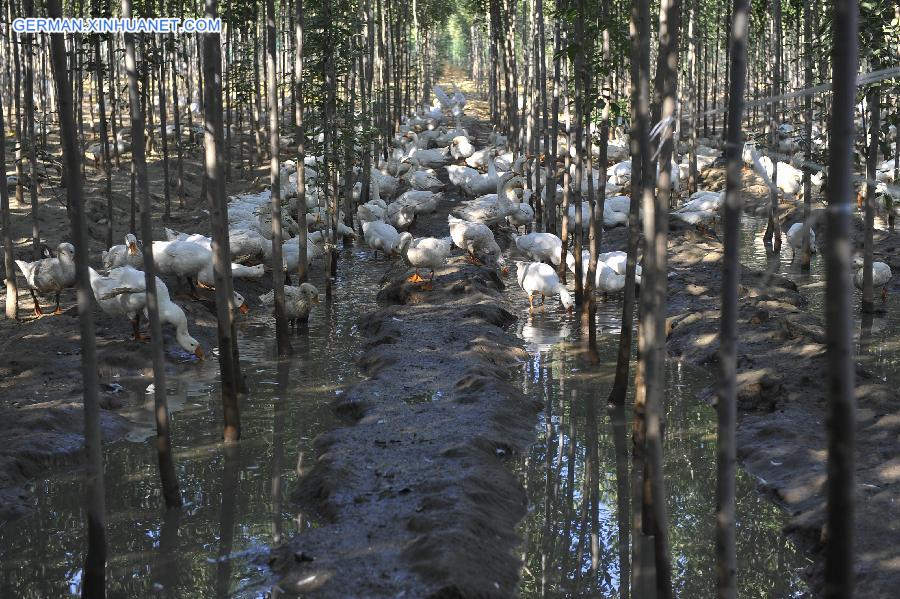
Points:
x=217 y=546
x=231 y=513
x=572 y=539
x=877 y=346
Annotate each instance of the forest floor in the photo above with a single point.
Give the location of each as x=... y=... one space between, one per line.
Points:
x=447 y=406
x=40 y=357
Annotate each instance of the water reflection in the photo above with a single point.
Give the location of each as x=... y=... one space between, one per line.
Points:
x=577 y=532
x=234 y=507
x=876 y=334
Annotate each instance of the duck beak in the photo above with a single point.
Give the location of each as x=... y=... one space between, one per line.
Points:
x=199 y=352
x=315 y=299
x=244 y=308
x=504 y=271
x=132 y=249
x=570 y=310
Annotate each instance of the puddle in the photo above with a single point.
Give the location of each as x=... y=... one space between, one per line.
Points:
x=231 y=514
x=877 y=349
x=573 y=537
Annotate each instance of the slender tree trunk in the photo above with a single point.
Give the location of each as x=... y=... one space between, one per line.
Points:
x=773 y=228
x=281 y=332
x=163 y=440
x=30 y=136
x=217 y=203
x=841 y=420
x=579 y=153
x=176 y=120
x=567 y=162
x=19 y=123
x=551 y=202
x=868 y=301
x=163 y=122
x=726 y=453
x=806 y=250
x=12 y=292
x=638 y=146
x=301 y=146
x=104 y=137
x=94 y=574
x=653 y=327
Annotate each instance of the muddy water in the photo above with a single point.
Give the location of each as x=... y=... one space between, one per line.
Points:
x=576 y=543
x=215 y=548
x=877 y=337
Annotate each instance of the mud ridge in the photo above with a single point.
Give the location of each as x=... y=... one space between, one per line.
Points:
x=415 y=493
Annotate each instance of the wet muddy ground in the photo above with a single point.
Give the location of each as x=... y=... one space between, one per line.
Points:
x=361 y=508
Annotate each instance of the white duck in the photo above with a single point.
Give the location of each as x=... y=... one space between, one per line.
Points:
x=459 y=175
x=795 y=239
x=475 y=238
x=423 y=179
x=181 y=258
x=424 y=252
x=50 y=275
x=431 y=158
x=123 y=292
x=400 y=215
x=461 y=147
x=381 y=236
x=298 y=301
x=481 y=158
x=540 y=247
x=611 y=268
x=881 y=275
x=702 y=209
x=492 y=209
x=480 y=184
x=522 y=215
x=124 y=255
x=537 y=277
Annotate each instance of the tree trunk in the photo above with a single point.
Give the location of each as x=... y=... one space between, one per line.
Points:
x=653 y=321
x=163 y=122
x=806 y=250
x=94 y=574
x=773 y=227
x=12 y=292
x=638 y=145
x=841 y=420
x=868 y=301
x=301 y=147
x=726 y=454
x=281 y=332
x=163 y=441
x=30 y=137
x=104 y=137
x=217 y=203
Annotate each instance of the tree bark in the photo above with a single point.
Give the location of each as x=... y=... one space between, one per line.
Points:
x=12 y=291
x=806 y=250
x=94 y=575
x=841 y=419
x=726 y=453
x=281 y=332
x=868 y=301
x=167 y=473
x=301 y=146
x=639 y=145
x=653 y=321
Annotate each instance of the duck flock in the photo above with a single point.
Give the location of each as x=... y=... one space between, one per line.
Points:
x=407 y=184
